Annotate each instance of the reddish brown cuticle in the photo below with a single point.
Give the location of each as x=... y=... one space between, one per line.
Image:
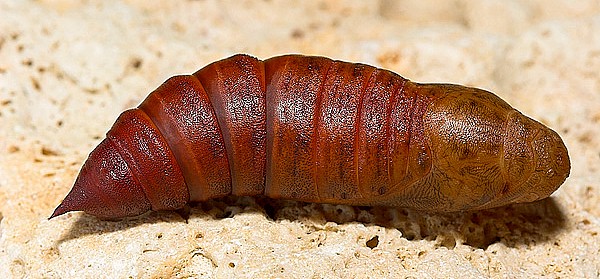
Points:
x=317 y=130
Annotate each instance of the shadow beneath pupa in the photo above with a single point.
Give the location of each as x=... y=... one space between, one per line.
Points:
x=222 y=208
x=513 y=225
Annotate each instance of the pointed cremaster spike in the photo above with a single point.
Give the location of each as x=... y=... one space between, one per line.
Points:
x=105 y=187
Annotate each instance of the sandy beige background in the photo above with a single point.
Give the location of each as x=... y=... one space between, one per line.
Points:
x=68 y=68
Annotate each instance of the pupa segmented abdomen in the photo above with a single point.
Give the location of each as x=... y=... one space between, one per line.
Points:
x=317 y=130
